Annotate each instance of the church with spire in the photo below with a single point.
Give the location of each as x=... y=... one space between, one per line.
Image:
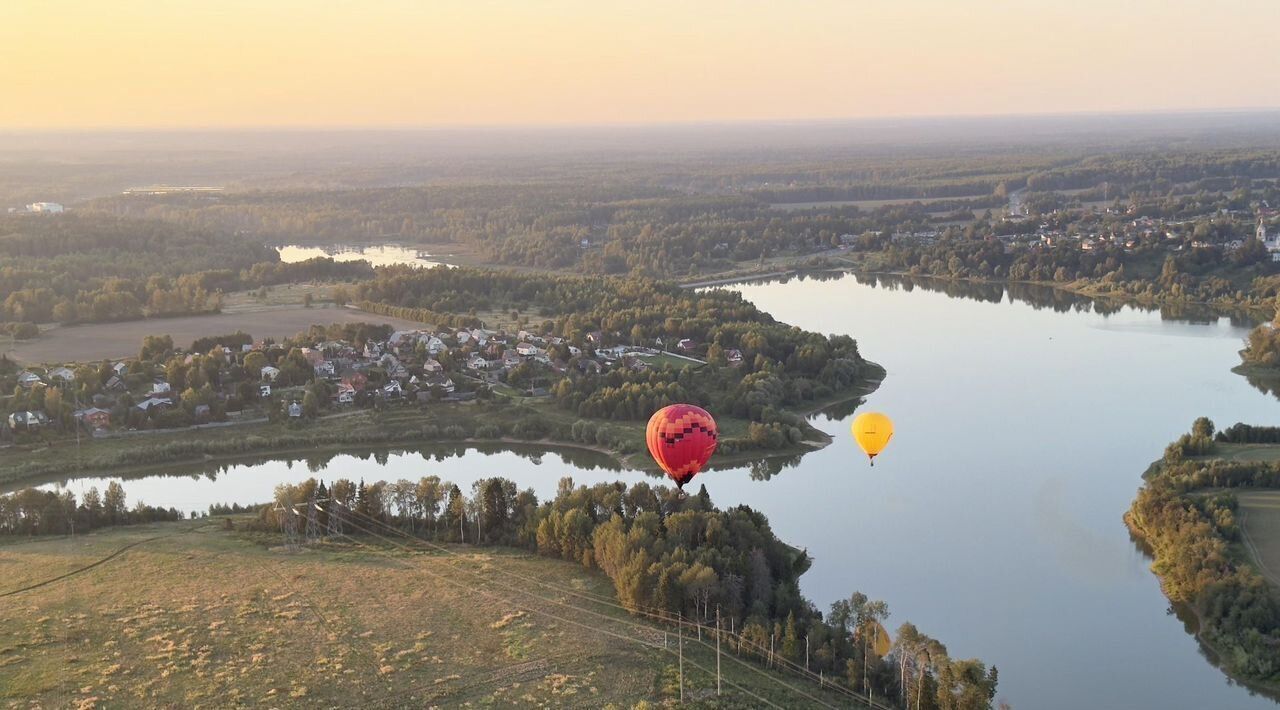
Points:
x=1272 y=241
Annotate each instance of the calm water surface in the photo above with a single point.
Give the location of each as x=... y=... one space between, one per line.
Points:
x=376 y=255
x=993 y=522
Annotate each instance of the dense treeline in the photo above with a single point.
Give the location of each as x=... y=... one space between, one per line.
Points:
x=608 y=229
x=667 y=555
x=1241 y=433
x=32 y=511
x=81 y=267
x=1192 y=534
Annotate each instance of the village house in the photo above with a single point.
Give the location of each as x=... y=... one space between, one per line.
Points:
x=432 y=365
x=270 y=373
x=93 y=417
x=27 y=420
x=355 y=380
x=28 y=379
x=152 y=403
x=346 y=394
x=62 y=374
x=444 y=382
x=295 y=410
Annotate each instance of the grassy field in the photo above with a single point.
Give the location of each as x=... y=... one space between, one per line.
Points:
x=83 y=343
x=1259 y=519
x=195 y=615
x=1243 y=452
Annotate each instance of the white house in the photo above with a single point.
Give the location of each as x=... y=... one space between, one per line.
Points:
x=435 y=346
x=270 y=373
x=432 y=365
x=28 y=379
x=45 y=207
x=1273 y=243
x=62 y=374
x=442 y=381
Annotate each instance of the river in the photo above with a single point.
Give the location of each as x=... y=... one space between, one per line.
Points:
x=993 y=521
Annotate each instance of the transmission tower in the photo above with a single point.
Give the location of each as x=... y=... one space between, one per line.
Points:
x=334 y=528
x=288 y=524
x=313 y=519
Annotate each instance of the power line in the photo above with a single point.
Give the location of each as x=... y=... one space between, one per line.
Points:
x=551 y=615
x=661 y=617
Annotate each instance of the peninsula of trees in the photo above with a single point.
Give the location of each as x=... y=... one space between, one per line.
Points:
x=1187 y=513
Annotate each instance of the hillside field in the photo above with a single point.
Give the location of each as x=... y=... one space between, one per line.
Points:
x=194 y=614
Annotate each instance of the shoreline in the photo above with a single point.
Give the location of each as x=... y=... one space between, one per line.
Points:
x=625 y=461
x=1270 y=690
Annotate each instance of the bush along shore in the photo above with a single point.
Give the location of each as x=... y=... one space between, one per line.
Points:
x=1186 y=512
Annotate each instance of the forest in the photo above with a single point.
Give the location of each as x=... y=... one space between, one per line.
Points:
x=1185 y=512
x=93 y=267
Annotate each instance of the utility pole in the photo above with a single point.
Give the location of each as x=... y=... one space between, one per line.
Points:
x=717 y=650
x=772 y=638
x=806 y=653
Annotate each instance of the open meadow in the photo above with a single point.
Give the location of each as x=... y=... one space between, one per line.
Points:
x=1259 y=519
x=194 y=614
x=82 y=343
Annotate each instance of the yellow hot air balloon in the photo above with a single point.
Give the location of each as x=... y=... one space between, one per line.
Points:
x=879 y=639
x=872 y=431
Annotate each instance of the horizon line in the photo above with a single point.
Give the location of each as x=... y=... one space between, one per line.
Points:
x=587 y=125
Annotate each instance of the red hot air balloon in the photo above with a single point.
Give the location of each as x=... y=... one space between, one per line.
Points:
x=681 y=438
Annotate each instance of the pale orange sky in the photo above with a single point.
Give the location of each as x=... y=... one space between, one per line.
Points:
x=237 y=63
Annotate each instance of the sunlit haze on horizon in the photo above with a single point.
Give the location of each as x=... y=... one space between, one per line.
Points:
x=236 y=63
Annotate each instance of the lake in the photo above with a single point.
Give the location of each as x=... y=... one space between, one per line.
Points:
x=993 y=521
x=376 y=254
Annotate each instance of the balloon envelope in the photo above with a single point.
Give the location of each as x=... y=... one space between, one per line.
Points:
x=881 y=643
x=681 y=438
x=872 y=431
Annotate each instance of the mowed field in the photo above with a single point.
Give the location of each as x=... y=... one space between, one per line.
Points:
x=81 y=343
x=1259 y=519
x=193 y=615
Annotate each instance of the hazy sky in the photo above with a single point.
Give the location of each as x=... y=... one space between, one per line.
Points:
x=109 y=63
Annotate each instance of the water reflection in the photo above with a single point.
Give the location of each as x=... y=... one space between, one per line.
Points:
x=318 y=463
